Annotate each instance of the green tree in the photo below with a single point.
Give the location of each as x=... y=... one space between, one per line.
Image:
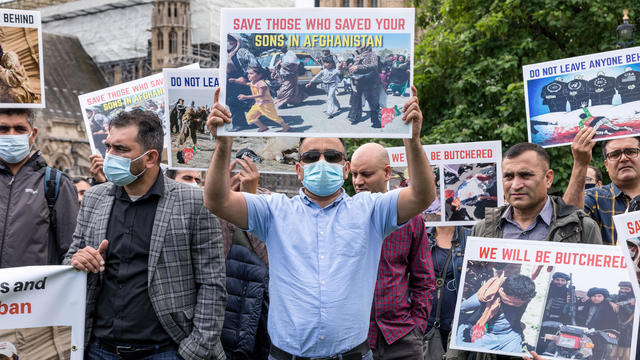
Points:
x=468 y=64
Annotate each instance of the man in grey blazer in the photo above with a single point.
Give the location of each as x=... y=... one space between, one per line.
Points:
x=153 y=253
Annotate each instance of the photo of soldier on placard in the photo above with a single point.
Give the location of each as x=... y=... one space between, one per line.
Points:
x=20 y=75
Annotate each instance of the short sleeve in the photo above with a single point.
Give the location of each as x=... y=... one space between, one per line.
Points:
x=385 y=212
x=258 y=214
x=261 y=84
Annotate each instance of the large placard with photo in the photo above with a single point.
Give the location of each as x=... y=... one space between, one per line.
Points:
x=467 y=176
x=600 y=91
x=42 y=312
x=189 y=97
x=317 y=71
x=565 y=301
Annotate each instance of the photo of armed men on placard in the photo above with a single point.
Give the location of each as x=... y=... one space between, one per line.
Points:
x=21 y=78
x=558 y=311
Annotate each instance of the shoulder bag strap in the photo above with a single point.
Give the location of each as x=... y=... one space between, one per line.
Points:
x=439 y=285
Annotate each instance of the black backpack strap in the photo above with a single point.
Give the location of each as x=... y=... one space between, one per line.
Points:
x=52 y=178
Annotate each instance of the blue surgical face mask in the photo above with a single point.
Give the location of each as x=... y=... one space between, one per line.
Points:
x=14 y=148
x=117 y=169
x=323 y=178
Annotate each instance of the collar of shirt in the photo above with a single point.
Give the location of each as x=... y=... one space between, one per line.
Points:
x=546 y=214
x=617 y=192
x=157 y=189
x=307 y=201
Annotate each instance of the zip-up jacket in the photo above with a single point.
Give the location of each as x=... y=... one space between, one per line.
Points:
x=24 y=216
x=569 y=224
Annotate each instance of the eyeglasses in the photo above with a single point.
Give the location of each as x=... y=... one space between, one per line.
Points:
x=615 y=155
x=332 y=156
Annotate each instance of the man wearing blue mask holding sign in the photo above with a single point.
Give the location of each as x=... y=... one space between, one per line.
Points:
x=155 y=288
x=324 y=246
x=38 y=205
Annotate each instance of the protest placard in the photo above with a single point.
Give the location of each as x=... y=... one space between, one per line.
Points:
x=468 y=180
x=21 y=67
x=600 y=91
x=102 y=106
x=310 y=71
x=563 y=300
x=189 y=97
x=42 y=312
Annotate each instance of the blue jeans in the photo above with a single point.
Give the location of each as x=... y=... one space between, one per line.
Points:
x=95 y=352
x=367 y=356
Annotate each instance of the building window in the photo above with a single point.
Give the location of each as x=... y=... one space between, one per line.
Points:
x=345 y=3
x=360 y=3
x=374 y=3
x=173 y=42
x=169 y=11
x=160 y=40
x=185 y=36
x=175 y=10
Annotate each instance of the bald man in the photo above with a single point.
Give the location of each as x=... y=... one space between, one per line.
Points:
x=401 y=303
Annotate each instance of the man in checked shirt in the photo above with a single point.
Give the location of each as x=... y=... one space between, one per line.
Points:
x=623 y=166
x=401 y=303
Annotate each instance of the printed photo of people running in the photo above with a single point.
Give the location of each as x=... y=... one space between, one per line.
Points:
x=316 y=83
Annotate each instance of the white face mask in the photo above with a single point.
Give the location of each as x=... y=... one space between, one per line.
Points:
x=194 y=184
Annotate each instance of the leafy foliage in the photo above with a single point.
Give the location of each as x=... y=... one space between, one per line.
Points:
x=468 y=63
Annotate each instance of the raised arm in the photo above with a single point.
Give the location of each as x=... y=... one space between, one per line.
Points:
x=581 y=148
x=421 y=191
x=218 y=197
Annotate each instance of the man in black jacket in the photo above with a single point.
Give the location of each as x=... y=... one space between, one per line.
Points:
x=28 y=234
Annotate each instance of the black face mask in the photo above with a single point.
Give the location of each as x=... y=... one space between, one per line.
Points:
x=589 y=186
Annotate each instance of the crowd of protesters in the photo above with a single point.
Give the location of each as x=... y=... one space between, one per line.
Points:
x=186 y=266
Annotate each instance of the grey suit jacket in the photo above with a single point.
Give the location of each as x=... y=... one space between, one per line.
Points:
x=186 y=276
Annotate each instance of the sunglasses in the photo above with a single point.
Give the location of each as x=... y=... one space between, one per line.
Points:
x=631 y=153
x=332 y=156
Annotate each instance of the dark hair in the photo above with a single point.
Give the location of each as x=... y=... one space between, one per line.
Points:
x=171 y=174
x=604 y=143
x=518 y=149
x=150 y=134
x=264 y=73
x=302 y=139
x=27 y=112
x=79 y=179
x=329 y=60
x=598 y=173
x=519 y=286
